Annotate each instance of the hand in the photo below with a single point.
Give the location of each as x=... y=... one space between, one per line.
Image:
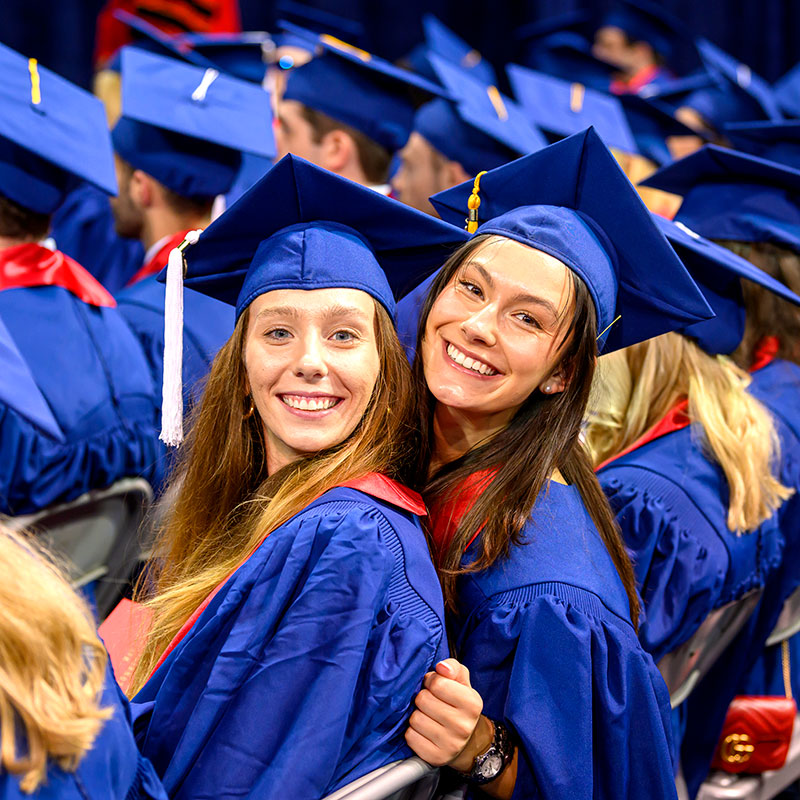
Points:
x=447 y=727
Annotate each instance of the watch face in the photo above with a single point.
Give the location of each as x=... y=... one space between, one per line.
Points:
x=491 y=765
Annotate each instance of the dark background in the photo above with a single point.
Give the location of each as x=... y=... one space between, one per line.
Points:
x=763 y=33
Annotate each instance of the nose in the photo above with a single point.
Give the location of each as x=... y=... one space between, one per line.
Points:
x=311 y=364
x=481 y=327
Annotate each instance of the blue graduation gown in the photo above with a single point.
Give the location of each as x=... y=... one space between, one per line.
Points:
x=548 y=640
x=112 y=770
x=207 y=325
x=83 y=228
x=93 y=375
x=300 y=674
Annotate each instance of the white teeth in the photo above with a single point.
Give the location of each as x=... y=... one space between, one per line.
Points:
x=309 y=404
x=469 y=363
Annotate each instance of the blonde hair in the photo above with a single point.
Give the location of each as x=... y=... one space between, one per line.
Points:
x=635 y=389
x=227 y=504
x=52 y=665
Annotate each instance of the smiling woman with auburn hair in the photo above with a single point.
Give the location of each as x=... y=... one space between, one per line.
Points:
x=295 y=605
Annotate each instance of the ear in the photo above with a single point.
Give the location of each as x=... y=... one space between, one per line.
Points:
x=455 y=174
x=556 y=382
x=338 y=150
x=142 y=189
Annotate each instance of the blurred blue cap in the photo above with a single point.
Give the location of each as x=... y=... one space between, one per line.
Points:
x=575 y=21
x=301 y=227
x=774 y=141
x=565 y=108
x=318 y=20
x=568 y=56
x=187 y=126
x=644 y=21
x=447 y=45
x=359 y=89
x=52 y=134
x=787 y=91
x=572 y=201
x=732 y=195
x=237 y=54
x=717 y=271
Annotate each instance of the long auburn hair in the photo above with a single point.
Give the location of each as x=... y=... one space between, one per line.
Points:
x=52 y=665
x=226 y=503
x=768 y=314
x=639 y=385
x=543 y=436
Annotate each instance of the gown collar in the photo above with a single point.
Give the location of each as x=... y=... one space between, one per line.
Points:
x=766 y=351
x=156 y=257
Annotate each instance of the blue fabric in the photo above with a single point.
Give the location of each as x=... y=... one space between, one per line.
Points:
x=651 y=124
x=207 y=325
x=774 y=141
x=450 y=46
x=645 y=21
x=83 y=228
x=238 y=54
x=572 y=200
x=112 y=769
x=46 y=145
x=301 y=673
x=94 y=377
x=547 y=638
x=568 y=55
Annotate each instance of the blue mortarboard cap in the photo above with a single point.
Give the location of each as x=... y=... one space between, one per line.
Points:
x=717 y=271
x=565 y=108
x=787 y=91
x=301 y=227
x=739 y=96
x=644 y=21
x=148 y=37
x=19 y=391
x=651 y=124
x=774 y=141
x=674 y=92
x=186 y=126
x=359 y=89
x=573 y=201
x=449 y=46
x=732 y=195
x=237 y=54
x=576 y=21
x=318 y=20
x=52 y=133
x=482 y=108
x=568 y=56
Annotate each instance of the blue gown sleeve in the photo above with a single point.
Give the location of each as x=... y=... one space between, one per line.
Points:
x=588 y=707
x=679 y=562
x=299 y=678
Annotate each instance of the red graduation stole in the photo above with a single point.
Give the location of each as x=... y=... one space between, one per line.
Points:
x=29 y=265
x=159 y=260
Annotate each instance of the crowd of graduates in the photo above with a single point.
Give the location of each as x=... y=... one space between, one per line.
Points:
x=471 y=419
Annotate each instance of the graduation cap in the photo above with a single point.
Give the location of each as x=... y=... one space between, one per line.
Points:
x=564 y=108
x=787 y=91
x=242 y=55
x=575 y=21
x=482 y=128
x=359 y=89
x=651 y=124
x=572 y=201
x=317 y=20
x=449 y=46
x=52 y=134
x=19 y=391
x=739 y=95
x=717 y=271
x=774 y=141
x=643 y=21
x=732 y=195
x=674 y=93
x=568 y=56
x=187 y=126
x=302 y=227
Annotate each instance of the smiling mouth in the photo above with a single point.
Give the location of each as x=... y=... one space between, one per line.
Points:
x=300 y=402
x=467 y=362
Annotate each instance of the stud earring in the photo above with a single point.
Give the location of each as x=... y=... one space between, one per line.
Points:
x=548 y=389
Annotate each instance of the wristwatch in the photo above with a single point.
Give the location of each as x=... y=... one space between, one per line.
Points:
x=489 y=764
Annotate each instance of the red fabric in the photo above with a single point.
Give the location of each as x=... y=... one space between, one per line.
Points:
x=373 y=484
x=637 y=82
x=756 y=734
x=675 y=419
x=159 y=260
x=28 y=265
x=170 y=16
x=766 y=351
x=124 y=632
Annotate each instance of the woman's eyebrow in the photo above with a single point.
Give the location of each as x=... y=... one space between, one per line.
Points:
x=278 y=311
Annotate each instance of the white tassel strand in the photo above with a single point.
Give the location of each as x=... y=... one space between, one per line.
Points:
x=172 y=388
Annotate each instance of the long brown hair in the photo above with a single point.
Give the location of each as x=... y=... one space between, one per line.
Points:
x=543 y=436
x=768 y=314
x=52 y=665
x=226 y=503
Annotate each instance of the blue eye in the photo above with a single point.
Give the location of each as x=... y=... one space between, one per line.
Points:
x=278 y=333
x=343 y=336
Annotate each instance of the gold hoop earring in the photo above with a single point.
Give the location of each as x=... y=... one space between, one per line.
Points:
x=250 y=411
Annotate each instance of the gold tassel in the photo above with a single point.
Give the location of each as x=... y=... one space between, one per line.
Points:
x=576 y=95
x=36 y=92
x=473 y=204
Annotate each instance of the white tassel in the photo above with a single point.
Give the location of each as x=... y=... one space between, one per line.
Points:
x=172 y=388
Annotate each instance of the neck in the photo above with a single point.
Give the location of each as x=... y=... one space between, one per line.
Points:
x=6 y=242
x=353 y=172
x=456 y=432
x=165 y=222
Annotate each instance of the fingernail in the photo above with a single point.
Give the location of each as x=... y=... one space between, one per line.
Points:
x=448 y=669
